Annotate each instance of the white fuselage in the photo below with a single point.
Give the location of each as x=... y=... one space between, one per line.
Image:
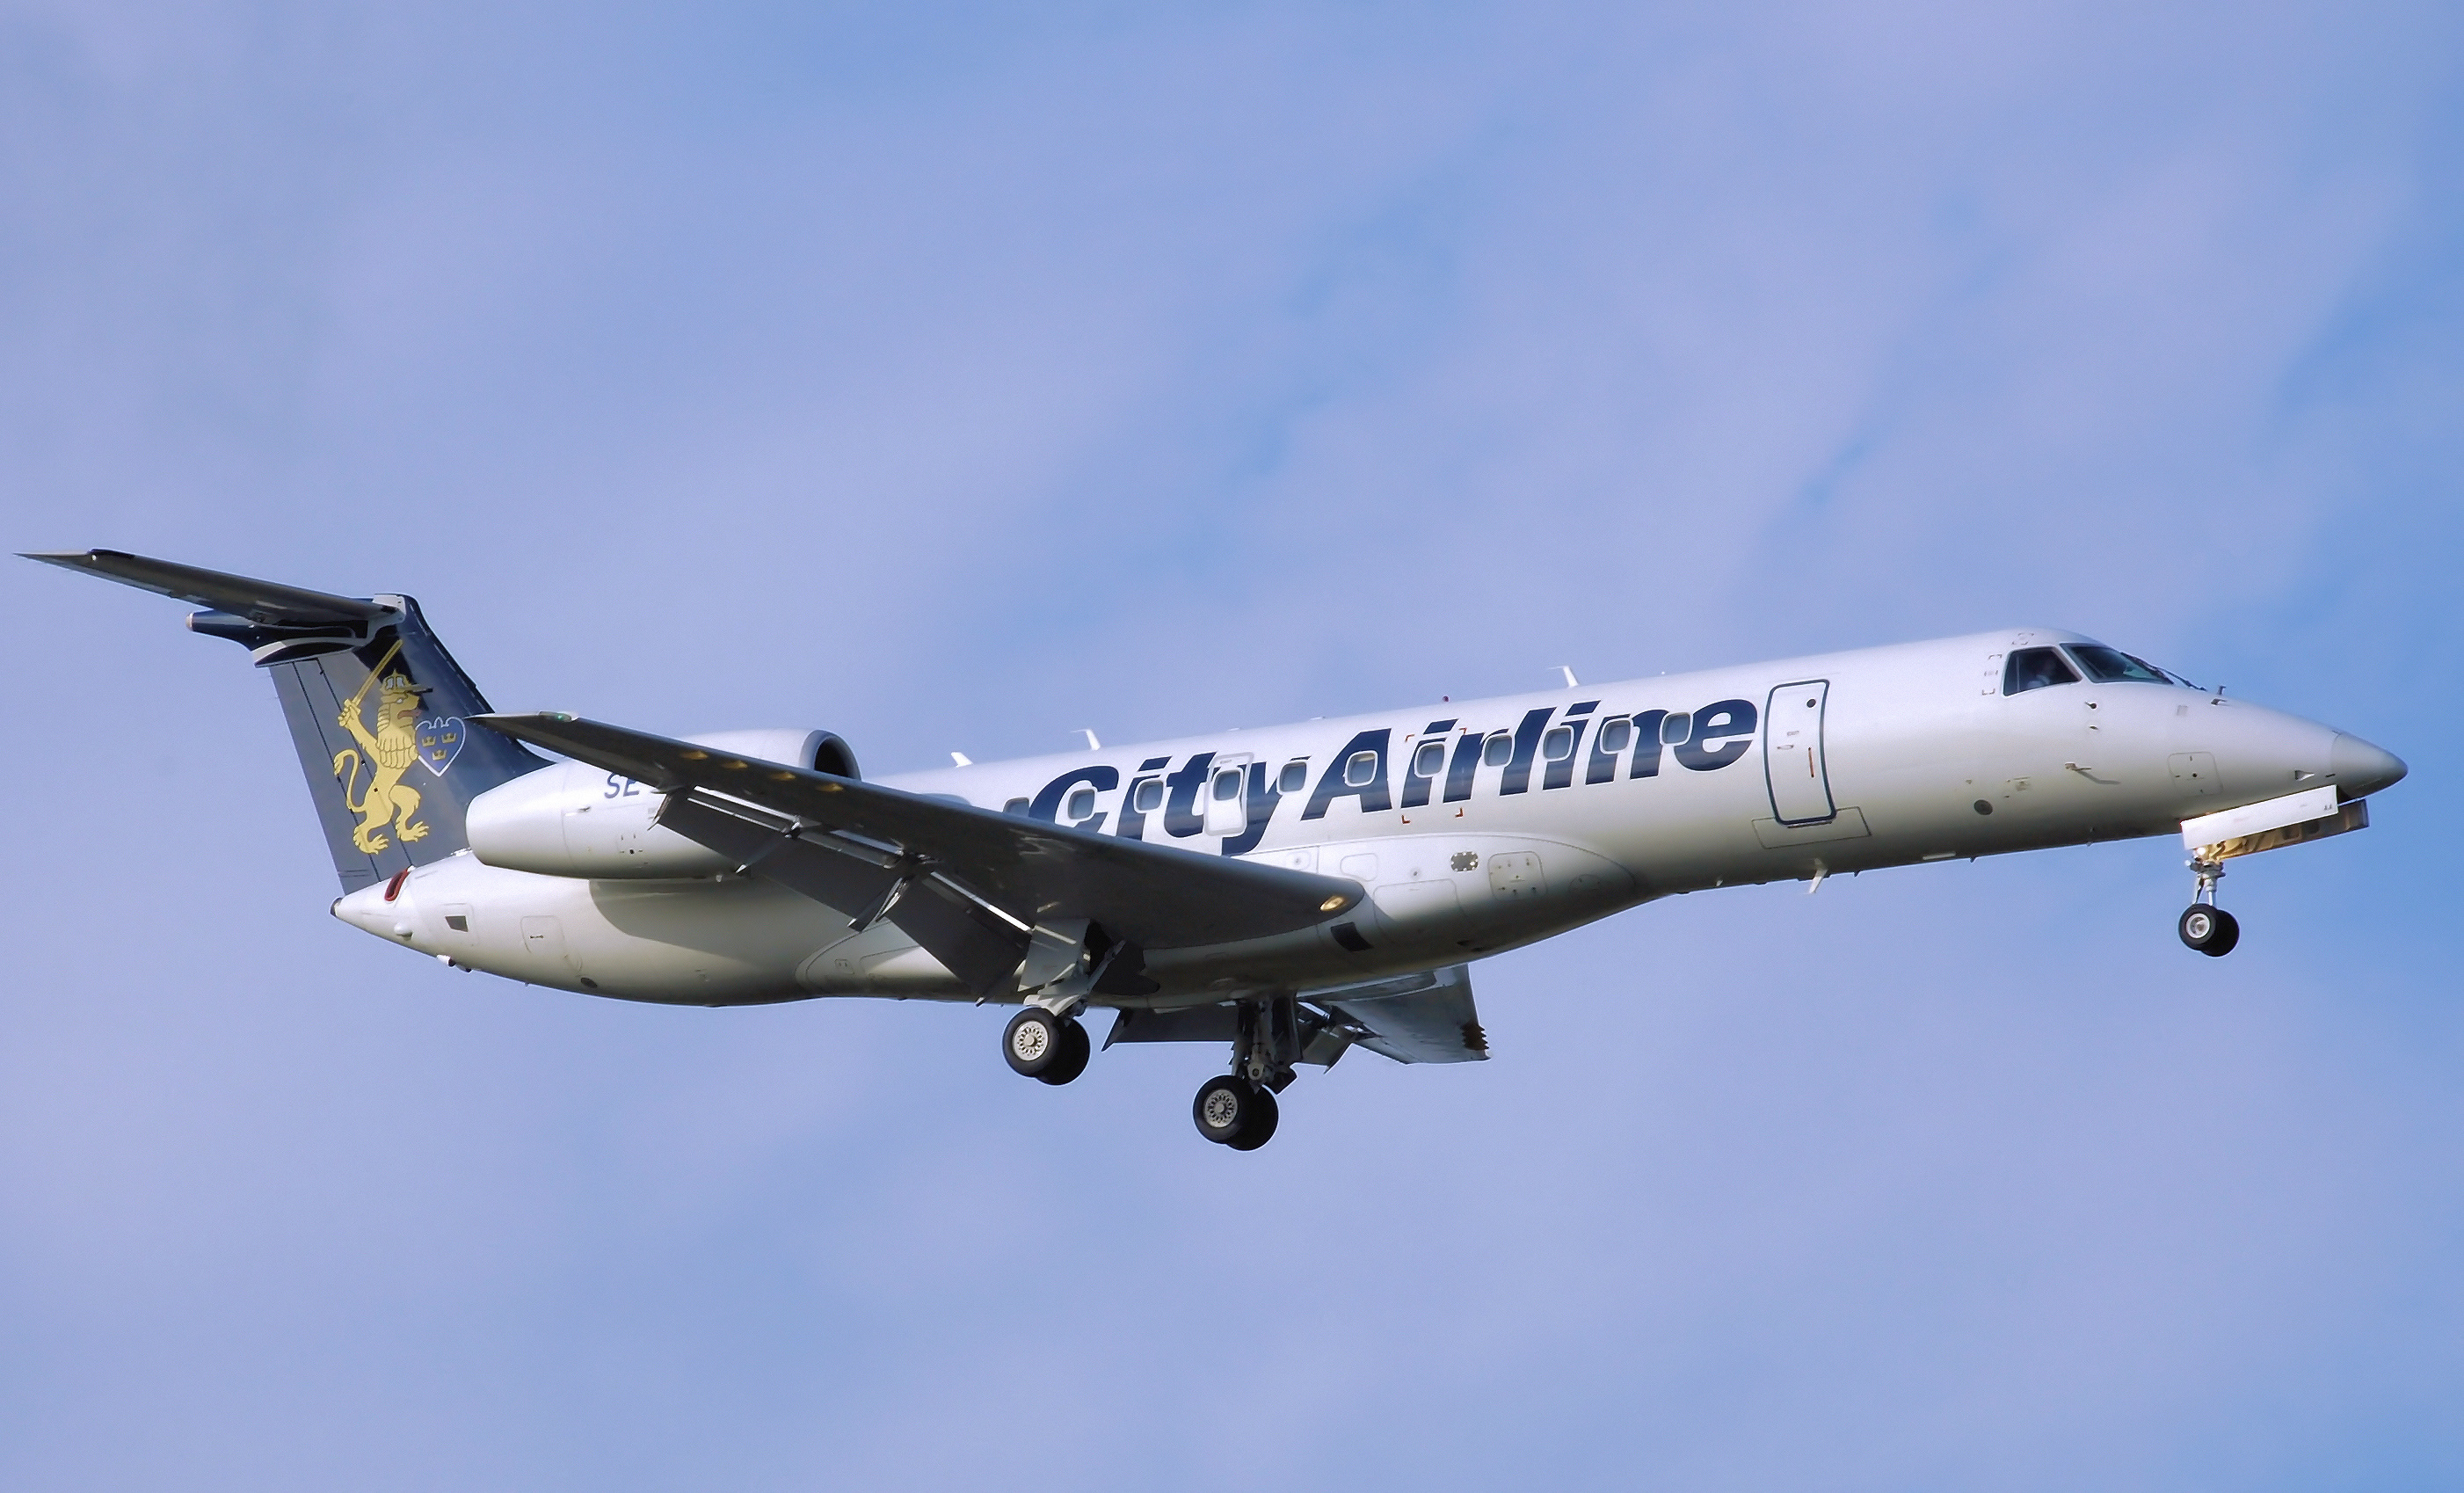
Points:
x=1842 y=762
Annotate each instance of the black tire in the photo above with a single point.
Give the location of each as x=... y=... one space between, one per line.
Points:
x=1033 y=1042
x=2211 y=930
x=1259 y=1127
x=1224 y=1108
x=1076 y=1047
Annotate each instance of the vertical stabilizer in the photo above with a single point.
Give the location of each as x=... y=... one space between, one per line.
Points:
x=375 y=703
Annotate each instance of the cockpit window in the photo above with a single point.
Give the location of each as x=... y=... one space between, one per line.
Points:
x=2035 y=668
x=2112 y=666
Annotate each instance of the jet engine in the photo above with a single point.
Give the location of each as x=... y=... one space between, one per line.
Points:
x=573 y=820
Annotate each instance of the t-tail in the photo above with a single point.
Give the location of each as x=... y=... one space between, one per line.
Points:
x=375 y=703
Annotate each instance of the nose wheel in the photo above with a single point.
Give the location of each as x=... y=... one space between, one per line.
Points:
x=2204 y=925
x=2209 y=929
x=1046 y=1048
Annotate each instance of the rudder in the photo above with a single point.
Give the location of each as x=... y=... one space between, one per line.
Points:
x=375 y=703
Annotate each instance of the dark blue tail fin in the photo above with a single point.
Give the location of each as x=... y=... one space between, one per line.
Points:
x=375 y=703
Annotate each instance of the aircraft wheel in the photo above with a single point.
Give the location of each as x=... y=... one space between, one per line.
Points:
x=1035 y=1042
x=1230 y=1110
x=1259 y=1127
x=1076 y=1047
x=2211 y=930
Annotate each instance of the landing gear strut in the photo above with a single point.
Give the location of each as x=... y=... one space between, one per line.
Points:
x=1238 y=1108
x=2206 y=926
x=1044 y=1047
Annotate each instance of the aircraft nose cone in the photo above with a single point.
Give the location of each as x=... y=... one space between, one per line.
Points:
x=2360 y=768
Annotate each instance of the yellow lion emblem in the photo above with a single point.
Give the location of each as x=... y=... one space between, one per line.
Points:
x=390 y=749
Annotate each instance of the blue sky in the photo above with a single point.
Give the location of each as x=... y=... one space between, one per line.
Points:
x=958 y=377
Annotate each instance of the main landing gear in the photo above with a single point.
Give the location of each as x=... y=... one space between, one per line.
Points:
x=2204 y=925
x=1047 y=1048
x=1232 y=1111
x=1238 y=1110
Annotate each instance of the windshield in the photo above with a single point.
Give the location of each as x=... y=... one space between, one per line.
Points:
x=2035 y=668
x=2112 y=666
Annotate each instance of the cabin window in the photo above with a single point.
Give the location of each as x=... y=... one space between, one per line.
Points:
x=1015 y=805
x=2035 y=668
x=1498 y=750
x=1360 y=770
x=1295 y=778
x=1429 y=759
x=1082 y=803
x=1616 y=734
x=2112 y=666
x=1150 y=795
x=1227 y=785
x=1674 y=730
x=1558 y=745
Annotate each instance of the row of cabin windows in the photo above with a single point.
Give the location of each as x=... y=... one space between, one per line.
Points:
x=2036 y=668
x=2026 y=669
x=1360 y=768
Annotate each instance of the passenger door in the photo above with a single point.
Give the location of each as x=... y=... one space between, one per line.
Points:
x=1800 y=784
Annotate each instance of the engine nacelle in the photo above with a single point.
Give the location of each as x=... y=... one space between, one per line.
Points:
x=574 y=819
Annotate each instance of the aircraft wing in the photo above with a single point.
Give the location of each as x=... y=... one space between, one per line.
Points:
x=969 y=884
x=1417 y=1018
x=1424 y=1018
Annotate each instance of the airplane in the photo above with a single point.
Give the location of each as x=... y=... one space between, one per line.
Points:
x=1294 y=892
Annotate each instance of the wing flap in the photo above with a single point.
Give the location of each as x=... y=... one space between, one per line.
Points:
x=1424 y=1018
x=972 y=942
x=1152 y=895
x=1419 y=1018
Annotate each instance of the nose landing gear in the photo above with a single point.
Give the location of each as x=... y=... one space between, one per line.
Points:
x=2206 y=926
x=2211 y=930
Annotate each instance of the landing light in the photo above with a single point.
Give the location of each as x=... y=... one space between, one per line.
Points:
x=1333 y=903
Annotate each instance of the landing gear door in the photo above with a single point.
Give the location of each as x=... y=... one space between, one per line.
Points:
x=1227 y=796
x=1800 y=783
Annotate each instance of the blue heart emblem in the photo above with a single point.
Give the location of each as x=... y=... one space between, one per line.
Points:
x=440 y=742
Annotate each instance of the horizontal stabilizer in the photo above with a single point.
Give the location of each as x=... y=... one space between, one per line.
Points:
x=258 y=601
